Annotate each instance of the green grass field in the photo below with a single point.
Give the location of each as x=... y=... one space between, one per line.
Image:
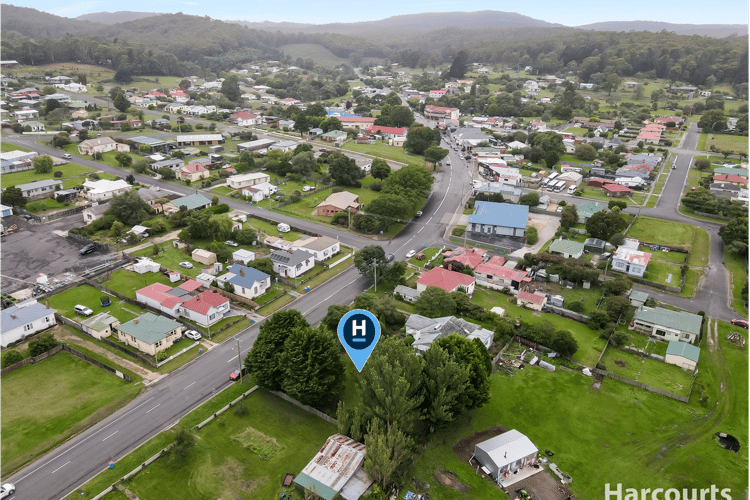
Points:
x=43 y=405
x=7 y=146
x=724 y=142
x=382 y=150
x=127 y=282
x=738 y=267
x=170 y=258
x=89 y=296
x=239 y=457
x=68 y=170
x=662 y=232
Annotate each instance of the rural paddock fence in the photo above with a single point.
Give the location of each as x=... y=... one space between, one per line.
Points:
x=63 y=347
x=683 y=399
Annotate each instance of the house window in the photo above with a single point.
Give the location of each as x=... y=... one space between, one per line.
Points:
x=26 y=328
x=243 y=289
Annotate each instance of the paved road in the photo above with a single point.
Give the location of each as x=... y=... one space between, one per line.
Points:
x=167 y=400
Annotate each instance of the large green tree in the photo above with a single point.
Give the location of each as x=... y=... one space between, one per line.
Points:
x=434 y=154
x=121 y=102
x=13 y=196
x=460 y=65
x=474 y=355
x=129 y=208
x=43 y=164
x=713 y=120
x=230 y=87
x=444 y=381
x=419 y=138
x=369 y=260
x=265 y=359
x=380 y=169
x=435 y=302
x=390 y=385
x=735 y=235
x=391 y=207
x=314 y=371
x=333 y=316
x=344 y=171
x=604 y=224
x=388 y=454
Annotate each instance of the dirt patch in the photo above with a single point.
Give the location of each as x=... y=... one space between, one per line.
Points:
x=449 y=479
x=620 y=362
x=465 y=447
x=231 y=474
x=542 y=486
x=73 y=340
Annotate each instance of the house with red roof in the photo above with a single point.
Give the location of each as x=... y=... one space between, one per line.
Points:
x=388 y=132
x=471 y=257
x=156 y=93
x=730 y=179
x=206 y=308
x=596 y=182
x=244 y=118
x=163 y=298
x=651 y=137
x=616 y=190
x=492 y=275
x=531 y=300
x=289 y=101
x=192 y=171
x=450 y=281
x=664 y=120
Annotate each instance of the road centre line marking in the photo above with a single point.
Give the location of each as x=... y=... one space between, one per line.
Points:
x=63 y=465
x=155 y=407
x=110 y=435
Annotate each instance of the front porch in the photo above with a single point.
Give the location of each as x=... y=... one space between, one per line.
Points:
x=510 y=478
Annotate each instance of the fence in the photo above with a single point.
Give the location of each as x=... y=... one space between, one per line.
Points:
x=293 y=228
x=683 y=399
x=234 y=296
x=306 y=408
x=191 y=346
x=222 y=410
x=63 y=347
x=502 y=351
x=567 y=313
x=646 y=282
x=481 y=244
x=86 y=241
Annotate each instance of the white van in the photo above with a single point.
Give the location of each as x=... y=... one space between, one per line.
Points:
x=572 y=189
x=284 y=228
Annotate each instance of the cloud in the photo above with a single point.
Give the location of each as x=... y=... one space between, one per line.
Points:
x=75 y=8
x=181 y=2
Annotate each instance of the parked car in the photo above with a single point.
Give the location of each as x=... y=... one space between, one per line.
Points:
x=7 y=490
x=87 y=249
x=284 y=228
x=67 y=156
x=235 y=375
x=306 y=188
x=418 y=214
x=231 y=243
x=390 y=257
x=742 y=323
x=83 y=310
x=186 y=265
x=192 y=335
x=410 y=254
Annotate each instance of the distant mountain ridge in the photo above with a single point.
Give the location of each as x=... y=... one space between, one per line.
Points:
x=711 y=30
x=121 y=16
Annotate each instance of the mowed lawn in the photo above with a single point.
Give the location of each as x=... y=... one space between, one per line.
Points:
x=241 y=457
x=86 y=295
x=127 y=282
x=663 y=232
x=44 y=404
x=617 y=434
x=68 y=170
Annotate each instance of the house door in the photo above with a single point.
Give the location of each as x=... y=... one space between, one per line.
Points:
x=516 y=465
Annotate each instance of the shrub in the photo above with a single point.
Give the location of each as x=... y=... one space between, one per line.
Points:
x=58 y=174
x=241 y=410
x=42 y=343
x=458 y=231
x=532 y=236
x=10 y=358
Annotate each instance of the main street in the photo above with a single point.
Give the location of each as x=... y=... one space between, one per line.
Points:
x=168 y=399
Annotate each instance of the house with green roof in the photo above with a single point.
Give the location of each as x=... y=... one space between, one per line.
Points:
x=149 y=333
x=101 y=325
x=589 y=208
x=191 y=202
x=682 y=354
x=334 y=136
x=742 y=172
x=567 y=248
x=637 y=298
x=665 y=324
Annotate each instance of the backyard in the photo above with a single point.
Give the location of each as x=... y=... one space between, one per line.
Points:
x=89 y=296
x=43 y=404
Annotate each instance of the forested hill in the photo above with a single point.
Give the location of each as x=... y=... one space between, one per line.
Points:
x=712 y=30
x=121 y=16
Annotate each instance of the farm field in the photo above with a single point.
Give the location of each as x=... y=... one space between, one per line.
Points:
x=318 y=53
x=43 y=404
x=724 y=142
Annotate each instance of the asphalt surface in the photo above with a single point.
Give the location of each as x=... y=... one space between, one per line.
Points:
x=168 y=399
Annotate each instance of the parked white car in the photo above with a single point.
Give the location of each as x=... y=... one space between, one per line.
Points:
x=410 y=254
x=186 y=265
x=192 y=335
x=7 y=490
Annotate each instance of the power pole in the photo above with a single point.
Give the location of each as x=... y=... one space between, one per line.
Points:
x=375 y=273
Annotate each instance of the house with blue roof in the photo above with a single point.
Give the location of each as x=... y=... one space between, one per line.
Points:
x=502 y=219
x=248 y=282
x=24 y=319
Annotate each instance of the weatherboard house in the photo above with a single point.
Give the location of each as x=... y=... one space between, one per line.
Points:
x=336 y=470
x=503 y=457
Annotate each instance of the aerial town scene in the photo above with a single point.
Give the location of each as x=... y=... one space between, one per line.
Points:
x=377 y=251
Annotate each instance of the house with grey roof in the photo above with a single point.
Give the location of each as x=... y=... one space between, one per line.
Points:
x=39 y=190
x=427 y=330
x=248 y=282
x=173 y=164
x=149 y=333
x=24 y=319
x=94 y=212
x=406 y=293
x=665 y=324
x=292 y=263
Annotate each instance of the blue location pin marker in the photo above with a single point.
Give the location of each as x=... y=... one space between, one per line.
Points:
x=359 y=331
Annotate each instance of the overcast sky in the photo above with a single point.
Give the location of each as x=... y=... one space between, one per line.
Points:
x=555 y=11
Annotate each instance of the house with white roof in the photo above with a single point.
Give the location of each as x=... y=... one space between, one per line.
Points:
x=425 y=331
x=629 y=260
x=104 y=189
x=504 y=456
x=244 y=180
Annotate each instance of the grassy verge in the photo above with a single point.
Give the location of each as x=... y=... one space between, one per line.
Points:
x=275 y=306
x=43 y=405
x=738 y=267
x=324 y=276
